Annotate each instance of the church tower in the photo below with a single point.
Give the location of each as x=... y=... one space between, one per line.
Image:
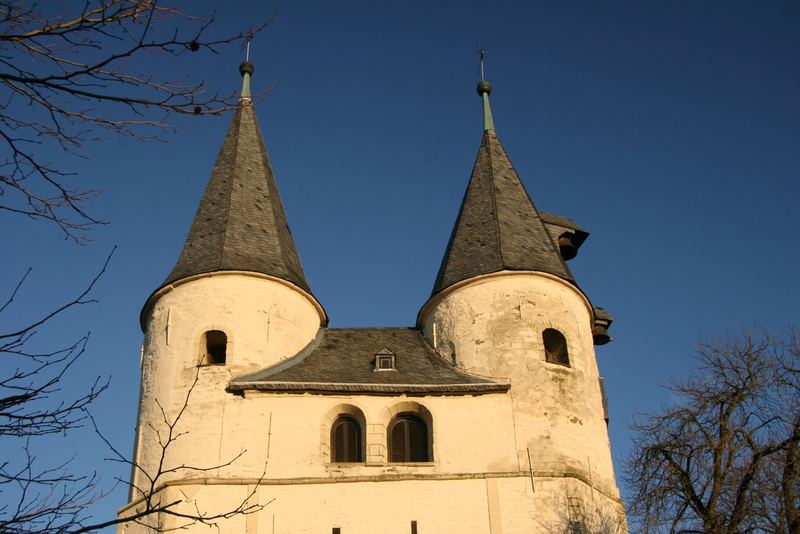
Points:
x=486 y=417
x=235 y=302
x=506 y=306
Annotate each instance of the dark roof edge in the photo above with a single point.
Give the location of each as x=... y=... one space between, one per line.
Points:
x=442 y=266
x=291 y=361
x=323 y=387
x=552 y=218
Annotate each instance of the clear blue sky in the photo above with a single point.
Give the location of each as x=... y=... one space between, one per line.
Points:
x=670 y=130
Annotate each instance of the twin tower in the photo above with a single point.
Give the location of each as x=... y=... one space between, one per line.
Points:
x=487 y=417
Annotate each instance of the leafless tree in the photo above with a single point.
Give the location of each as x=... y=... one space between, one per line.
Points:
x=72 y=74
x=67 y=79
x=53 y=500
x=724 y=457
x=582 y=516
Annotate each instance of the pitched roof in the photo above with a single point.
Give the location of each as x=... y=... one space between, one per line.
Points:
x=498 y=227
x=343 y=359
x=240 y=224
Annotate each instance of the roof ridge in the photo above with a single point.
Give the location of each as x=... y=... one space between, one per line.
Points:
x=488 y=134
x=437 y=357
x=238 y=120
x=538 y=213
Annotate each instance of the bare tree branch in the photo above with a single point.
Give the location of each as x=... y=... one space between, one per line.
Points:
x=71 y=74
x=723 y=458
x=67 y=77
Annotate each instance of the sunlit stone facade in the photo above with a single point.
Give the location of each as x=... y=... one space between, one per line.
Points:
x=486 y=417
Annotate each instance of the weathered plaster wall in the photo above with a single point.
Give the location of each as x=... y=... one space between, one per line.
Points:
x=494 y=324
x=277 y=445
x=265 y=321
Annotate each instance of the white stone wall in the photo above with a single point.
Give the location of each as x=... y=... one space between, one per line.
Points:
x=287 y=436
x=265 y=320
x=495 y=326
x=273 y=449
x=479 y=505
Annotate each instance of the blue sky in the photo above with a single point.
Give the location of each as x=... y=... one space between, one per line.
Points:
x=670 y=130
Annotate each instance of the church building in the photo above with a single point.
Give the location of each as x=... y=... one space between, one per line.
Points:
x=486 y=417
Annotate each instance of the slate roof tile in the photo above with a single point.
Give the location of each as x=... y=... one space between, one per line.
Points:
x=343 y=359
x=498 y=227
x=240 y=223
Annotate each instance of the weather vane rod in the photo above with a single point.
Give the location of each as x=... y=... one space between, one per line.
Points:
x=246 y=70
x=247 y=46
x=484 y=88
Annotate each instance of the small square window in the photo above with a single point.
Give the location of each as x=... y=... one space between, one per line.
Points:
x=385 y=361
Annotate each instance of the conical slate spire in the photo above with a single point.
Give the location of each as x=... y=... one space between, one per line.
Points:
x=498 y=228
x=240 y=224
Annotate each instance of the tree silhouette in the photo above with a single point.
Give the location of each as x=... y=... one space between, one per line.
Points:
x=724 y=457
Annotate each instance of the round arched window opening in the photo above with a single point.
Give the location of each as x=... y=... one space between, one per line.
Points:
x=555 y=347
x=215 y=343
x=346 y=441
x=408 y=439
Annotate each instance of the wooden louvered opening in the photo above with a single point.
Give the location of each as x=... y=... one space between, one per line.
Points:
x=408 y=439
x=555 y=347
x=346 y=441
x=216 y=347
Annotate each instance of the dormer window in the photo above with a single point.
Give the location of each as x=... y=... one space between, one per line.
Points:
x=385 y=361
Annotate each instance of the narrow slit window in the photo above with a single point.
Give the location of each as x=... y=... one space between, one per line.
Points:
x=216 y=347
x=451 y=347
x=555 y=347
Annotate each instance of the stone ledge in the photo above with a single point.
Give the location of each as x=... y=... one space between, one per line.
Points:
x=399 y=477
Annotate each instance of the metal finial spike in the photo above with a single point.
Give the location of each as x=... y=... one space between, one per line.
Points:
x=246 y=69
x=484 y=88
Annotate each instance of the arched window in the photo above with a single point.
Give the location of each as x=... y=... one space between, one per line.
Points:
x=555 y=347
x=408 y=439
x=215 y=343
x=346 y=440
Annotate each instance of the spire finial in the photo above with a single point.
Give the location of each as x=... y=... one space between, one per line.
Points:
x=484 y=88
x=246 y=70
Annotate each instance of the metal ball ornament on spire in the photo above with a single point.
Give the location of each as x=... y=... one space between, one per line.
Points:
x=246 y=67
x=484 y=87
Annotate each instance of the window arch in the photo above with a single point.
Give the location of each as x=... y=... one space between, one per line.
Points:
x=346 y=440
x=555 y=347
x=215 y=348
x=408 y=439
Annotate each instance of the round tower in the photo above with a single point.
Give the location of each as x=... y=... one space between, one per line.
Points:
x=506 y=306
x=236 y=301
